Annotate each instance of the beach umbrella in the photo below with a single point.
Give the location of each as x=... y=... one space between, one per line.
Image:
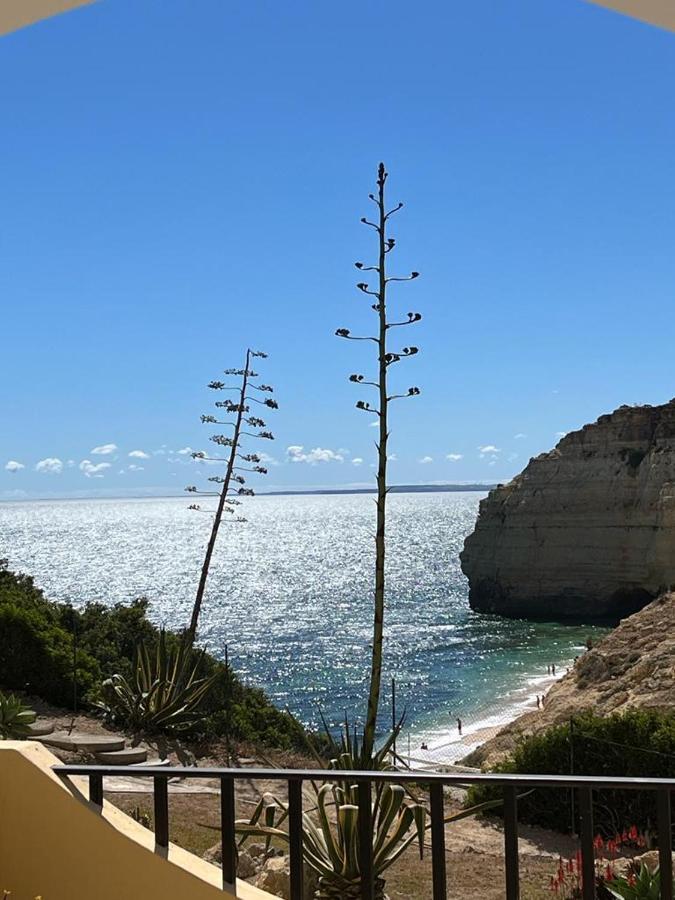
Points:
x=656 y=12
x=19 y=13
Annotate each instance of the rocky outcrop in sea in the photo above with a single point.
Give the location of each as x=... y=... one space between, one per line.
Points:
x=586 y=531
x=633 y=667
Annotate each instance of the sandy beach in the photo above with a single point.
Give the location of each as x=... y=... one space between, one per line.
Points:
x=441 y=748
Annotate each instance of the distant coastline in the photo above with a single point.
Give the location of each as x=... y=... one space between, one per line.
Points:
x=394 y=489
x=290 y=492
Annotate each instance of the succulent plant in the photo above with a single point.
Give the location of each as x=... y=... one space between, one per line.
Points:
x=165 y=692
x=15 y=718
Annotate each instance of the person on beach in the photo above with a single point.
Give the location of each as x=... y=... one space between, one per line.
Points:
x=423 y=746
x=459 y=726
x=538 y=702
x=548 y=670
x=553 y=669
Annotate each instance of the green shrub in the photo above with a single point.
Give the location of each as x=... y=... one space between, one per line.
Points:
x=36 y=656
x=638 y=743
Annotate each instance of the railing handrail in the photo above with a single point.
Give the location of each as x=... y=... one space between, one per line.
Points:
x=597 y=782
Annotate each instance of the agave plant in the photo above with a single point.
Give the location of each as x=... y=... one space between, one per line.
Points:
x=15 y=718
x=165 y=692
x=349 y=752
x=330 y=836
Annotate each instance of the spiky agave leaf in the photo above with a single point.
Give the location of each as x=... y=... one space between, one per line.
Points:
x=165 y=692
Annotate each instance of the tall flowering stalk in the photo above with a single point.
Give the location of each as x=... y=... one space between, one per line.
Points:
x=232 y=483
x=385 y=359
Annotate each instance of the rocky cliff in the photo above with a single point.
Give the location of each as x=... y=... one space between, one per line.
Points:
x=587 y=530
x=632 y=667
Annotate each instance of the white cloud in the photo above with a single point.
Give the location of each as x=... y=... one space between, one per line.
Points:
x=70 y=463
x=163 y=450
x=297 y=453
x=519 y=436
x=93 y=470
x=512 y=456
x=392 y=457
x=186 y=451
x=134 y=468
x=560 y=434
x=374 y=423
x=489 y=451
x=426 y=460
x=14 y=466
x=139 y=454
x=357 y=461
x=51 y=465
x=454 y=457
x=103 y=450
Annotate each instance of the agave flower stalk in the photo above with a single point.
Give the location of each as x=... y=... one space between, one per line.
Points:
x=232 y=483
x=385 y=359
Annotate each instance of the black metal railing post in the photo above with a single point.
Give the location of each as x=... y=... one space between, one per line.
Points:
x=512 y=873
x=295 y=838
x=366 y=841
x=663 y=816
x=228 y=836
x=161 y=792
x=438 y=872
x=586 y=839
x=96 y=789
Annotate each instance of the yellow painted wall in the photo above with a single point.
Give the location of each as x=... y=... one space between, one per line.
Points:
x=655 y=12
x=19 y=13
x=53 y=842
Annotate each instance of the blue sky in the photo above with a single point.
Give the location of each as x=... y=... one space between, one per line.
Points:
x=175 y=188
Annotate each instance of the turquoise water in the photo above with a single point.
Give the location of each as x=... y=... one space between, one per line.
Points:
x=290 y=595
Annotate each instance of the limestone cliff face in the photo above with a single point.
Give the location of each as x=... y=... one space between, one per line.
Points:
x=586 y=531
x=632 y=667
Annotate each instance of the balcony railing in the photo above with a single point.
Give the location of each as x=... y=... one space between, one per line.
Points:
x=512 y=785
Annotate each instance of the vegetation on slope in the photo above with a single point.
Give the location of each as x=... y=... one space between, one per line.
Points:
x=636 y=743
x=41 y=639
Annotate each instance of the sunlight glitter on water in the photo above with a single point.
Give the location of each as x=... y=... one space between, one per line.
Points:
x=290 y=594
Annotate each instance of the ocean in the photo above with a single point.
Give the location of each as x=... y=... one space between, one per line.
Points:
x=290 y=595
